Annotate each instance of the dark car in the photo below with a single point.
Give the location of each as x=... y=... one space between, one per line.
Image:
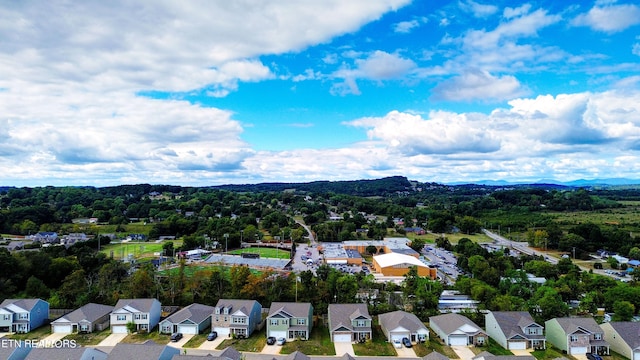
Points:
x=406 y=342
x=212 y=336
x=592 y=356
x=176 y=337
x=271 y=340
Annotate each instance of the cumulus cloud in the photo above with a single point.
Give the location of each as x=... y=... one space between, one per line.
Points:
x=609 y=18
x=478 y=85
x=406 y=27
x=477 y=9
x=377 y=66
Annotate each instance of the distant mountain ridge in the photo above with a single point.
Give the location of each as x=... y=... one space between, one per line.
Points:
x=542 y=182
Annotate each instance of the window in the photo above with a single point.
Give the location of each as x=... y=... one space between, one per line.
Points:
x=273 y=322
x=23 y=316
x=361 y=323
x=597 y=336
x=141 y=316
x=121 y=317
x=574 y=338
x=301 y=321
x=480 y=340
x=238 y=320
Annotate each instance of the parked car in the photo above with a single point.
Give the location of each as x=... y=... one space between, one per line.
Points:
x=592 y=356
x=271 y=340
x=397 y=343
x=281 y=341
x=212 y=336
x=406 y=342
x=176 y=337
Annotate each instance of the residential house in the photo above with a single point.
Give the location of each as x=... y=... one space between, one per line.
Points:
x=485 y=355
x=193 y=319
x=623 y=337
x=146 y=351
x=23 y=315
x=289 y=320
x=455 y=329
x=15 y=245
x=349 y=322
x=514 y=330
x=145 y=313
x=434 y=355
x=73 y=238
x=234 y=317
x=66 y=353
x=230 y=353
x=577 y=335
x=401 y=324
x=14 y=351
x=86 y=319
x=297 y=355
x=45 y=237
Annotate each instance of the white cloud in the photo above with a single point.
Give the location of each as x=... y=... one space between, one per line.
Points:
x=635 y=49
x=509 y=12
x=406 y=27
x=477 y=9
x=609 y=18
x=377 y=66
x=478 y=85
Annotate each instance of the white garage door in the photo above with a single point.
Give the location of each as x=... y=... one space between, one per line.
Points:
x=222 y=331
x=62 y=329
x=398 y=336
x=517 y=345
x=119 y=329
x=278 y=334
x=341 y=337
x=188 y=329
x=458 y=340
x=636 y=355
x=578 y=350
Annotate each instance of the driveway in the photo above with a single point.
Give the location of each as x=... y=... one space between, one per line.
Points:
x=526 y=352
x=211 y=345
x=580 y=356
x=271 y=349
x=50 y=341
x=181 y=342
x=343 y=348
x=463 y=352
x=405 y=352
x=112 y=340
x=4 y=334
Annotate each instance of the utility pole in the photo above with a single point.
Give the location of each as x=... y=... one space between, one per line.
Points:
x=226 y=243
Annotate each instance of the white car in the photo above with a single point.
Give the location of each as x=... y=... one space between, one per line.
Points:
x=281 y=341
x=397 y=344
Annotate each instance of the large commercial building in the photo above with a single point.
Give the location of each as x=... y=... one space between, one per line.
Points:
x=396 y=264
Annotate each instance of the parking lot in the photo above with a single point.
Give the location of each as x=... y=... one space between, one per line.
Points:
x=306 y=258
x=444 y=260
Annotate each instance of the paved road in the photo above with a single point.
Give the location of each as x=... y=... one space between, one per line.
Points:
x=181 y=342
x=521 y=247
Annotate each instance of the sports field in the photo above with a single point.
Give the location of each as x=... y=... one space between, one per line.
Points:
x=138 y=250
x=265 y=252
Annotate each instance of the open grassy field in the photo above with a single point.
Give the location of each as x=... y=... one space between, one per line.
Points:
x=139 y=250
x=453 y=238
x=265 y=252
x=625 y=217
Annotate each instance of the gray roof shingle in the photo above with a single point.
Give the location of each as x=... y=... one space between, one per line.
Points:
x=194 y=312
x=512 y=322
x=341 y=315
x=452 y=322
x=142 y=305
x=392 y=320
x=90 y=312
x=628 y=331
x=298 y=310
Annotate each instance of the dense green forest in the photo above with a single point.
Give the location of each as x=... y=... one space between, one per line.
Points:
x=554 y=217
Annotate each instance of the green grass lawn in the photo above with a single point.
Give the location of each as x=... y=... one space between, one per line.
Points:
x=93 y=338
x=137 y=249
x=253 y=343
x=319 y=343
x=492 y=347
x=197 y=340
x=265 y=252
x=437 y=345
x=549 y=353
x=139 y=338
x=37 y=334
x=377 y=346
x=422 y=349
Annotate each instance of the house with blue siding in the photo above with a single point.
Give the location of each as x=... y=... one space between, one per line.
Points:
x=23 y=315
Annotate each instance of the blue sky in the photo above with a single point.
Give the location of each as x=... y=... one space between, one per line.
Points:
x=217 y=92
